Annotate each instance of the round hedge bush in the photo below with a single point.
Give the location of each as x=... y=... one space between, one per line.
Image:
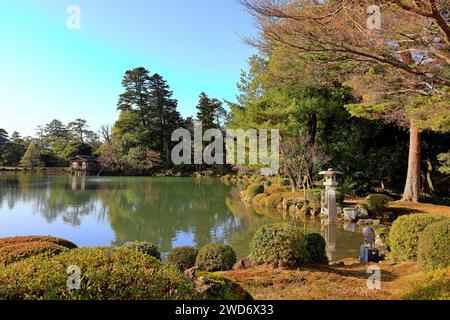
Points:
x=404 y=235
x=28 y=239
x=229 y=290
x=106 y=274
x=143 y=247
x=433 y=251
x=280 y=245
x=377 y=203
x=216 y=257
x=19 y=248
x=316 y=247
x=183 y=257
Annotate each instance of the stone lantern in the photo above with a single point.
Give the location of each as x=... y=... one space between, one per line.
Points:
x=329 y=207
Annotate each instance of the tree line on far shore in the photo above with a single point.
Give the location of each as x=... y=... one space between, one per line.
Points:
x=139 y=141
x=373 y=103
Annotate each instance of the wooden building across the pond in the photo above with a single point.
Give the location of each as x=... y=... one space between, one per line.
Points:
x=84 y=165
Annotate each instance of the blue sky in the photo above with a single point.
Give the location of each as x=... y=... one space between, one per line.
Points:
x=48 y=71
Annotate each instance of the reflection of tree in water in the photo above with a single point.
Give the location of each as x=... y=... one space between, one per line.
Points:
x=51 y=196
x=165 y=211
x=170 y=210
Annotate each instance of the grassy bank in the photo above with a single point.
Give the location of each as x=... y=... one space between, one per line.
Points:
x=349 y=282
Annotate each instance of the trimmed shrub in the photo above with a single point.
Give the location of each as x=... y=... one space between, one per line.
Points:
x=377 y=203
x=19 y=248
x=431 y=286
x=106 y=274
x=404 y=235
x=183 y=257
x=20 y=251
x=340 y=198
x=314 y=198
x=229 y=289
x=273 y=200
x=14 y=240
x=316 y=247
x=143 y=247
x=433 y=250
x=280 y=245
x=254 y=189
x=216 y=257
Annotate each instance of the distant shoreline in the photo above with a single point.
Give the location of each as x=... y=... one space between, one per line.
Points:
x=46 y=169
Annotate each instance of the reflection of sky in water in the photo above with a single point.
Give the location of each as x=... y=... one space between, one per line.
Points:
x=90 y=231
x=169 y=212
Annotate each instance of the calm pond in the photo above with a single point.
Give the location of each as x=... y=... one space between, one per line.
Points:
x=169 y=212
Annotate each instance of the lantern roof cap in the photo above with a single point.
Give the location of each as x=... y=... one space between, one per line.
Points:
x=330 y=172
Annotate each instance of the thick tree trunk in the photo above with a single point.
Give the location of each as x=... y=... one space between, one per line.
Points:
x=412 y=187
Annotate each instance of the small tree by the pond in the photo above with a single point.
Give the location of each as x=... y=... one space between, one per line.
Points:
x=301 y=160
x=31 y=158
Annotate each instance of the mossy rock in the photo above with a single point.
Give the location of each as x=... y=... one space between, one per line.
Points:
x=273 y=200
x=227 y=178
x=404 y=235
x=221 y=288
x=305 y=210
x=260 y=198
x=276 y=189
x=284 y=182
x=433 y=251
x=106 y=274
x=183 y=257
x=19 y=248
x=216 y=257
x=253 y=190
x=143 y=247
x=259 y=180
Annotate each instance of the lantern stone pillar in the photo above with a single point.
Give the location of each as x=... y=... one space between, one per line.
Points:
x=329 y=206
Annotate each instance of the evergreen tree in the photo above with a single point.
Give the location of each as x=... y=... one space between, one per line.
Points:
x=164 y=114
x=3 y=144
x=31 y=158
x=148 y=117
x=210 y=112
x=56 y=132
x=14 y=150
x=79 y=130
